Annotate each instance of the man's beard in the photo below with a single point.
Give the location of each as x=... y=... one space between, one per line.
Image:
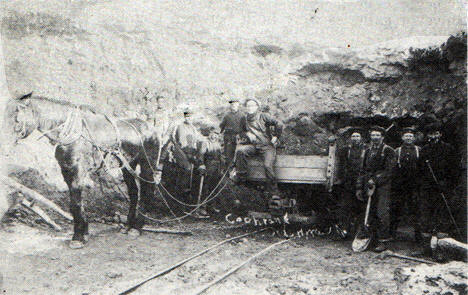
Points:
x=433 y=139
x=250 y=115
x=355 y=143
x=376 y=142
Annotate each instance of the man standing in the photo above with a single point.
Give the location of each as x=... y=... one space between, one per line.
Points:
x=187 y=145
x=376 y=173
x=406 y=183
x=163 y=119
x=350 y=161
x=263 y=132
x=231 y=126
x=439 y=162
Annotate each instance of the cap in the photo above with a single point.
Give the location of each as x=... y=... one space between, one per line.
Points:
x=252 y=99
x=377 y=128
x=231 y=100
x=186 y=108
x=433 y=127
x=352 y=130
x=408 y=130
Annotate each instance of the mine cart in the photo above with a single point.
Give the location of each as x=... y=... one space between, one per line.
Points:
x=297 y=169
x=310 y=169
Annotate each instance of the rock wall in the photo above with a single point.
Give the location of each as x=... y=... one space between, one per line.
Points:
x=116 y=55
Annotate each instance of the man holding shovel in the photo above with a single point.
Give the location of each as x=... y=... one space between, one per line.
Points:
x=350 y=161
x=376 y=178
x=187 y=148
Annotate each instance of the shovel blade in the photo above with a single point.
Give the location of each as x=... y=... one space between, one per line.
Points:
x=362 y=240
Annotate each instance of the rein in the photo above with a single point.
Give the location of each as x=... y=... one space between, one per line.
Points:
x=72 y=129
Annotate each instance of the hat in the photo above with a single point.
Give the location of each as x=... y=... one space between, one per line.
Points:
x=252 y=99
x=187 y=110
x=352 y=130
x=433 y=127
x=377 y=128
x=408 y=130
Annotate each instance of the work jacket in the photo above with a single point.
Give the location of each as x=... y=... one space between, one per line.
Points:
x=263 y=126
x=232 y=123
x=186 y=145
x=407 y=168
x=350 y=161
x=378 y=165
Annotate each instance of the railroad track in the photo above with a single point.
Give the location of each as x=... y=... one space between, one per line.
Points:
x=202 y=289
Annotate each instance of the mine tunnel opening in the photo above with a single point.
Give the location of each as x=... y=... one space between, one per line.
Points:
x=453 y=129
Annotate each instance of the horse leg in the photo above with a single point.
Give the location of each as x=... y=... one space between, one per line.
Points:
x=132 y=220
x=73 y=175
x=146 y=187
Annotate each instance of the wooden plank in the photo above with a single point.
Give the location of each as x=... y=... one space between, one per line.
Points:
x=308 y=169
x=41 y=213
x=294 y=175
x=291 y=161
x=331 y=165
x=166 y=231
x=35 y=195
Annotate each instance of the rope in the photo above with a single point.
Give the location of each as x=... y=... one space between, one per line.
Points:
x=117 y=132
x=143 y=147
x=135 y=174
x=167 y=204
x=192 y=205
x=153 y=182
x=67 y=136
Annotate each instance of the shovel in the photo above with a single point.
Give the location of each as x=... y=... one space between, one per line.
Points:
x=196 y=214
x=363 y=237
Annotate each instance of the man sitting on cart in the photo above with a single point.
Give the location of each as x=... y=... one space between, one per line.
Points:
x=263 y=132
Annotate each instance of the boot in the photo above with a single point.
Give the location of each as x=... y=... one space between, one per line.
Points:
x=238 y=178
x=201 y=213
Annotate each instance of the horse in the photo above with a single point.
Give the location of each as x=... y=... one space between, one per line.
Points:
x=77 y=129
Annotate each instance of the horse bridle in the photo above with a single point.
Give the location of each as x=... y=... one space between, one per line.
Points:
x=23 y=130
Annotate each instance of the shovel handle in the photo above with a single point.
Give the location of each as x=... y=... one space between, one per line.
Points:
x=202 y=179
x=366 y=218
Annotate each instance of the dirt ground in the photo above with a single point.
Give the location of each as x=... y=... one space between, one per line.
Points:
x=38 y=261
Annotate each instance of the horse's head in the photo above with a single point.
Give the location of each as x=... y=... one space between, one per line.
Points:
x=19 y=117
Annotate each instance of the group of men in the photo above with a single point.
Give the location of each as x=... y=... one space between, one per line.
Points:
x=408 y=176
x=245 y=135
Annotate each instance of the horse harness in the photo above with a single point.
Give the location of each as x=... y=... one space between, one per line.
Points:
x=73 y=128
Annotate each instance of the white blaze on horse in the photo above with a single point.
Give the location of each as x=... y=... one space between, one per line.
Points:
x=77 y=130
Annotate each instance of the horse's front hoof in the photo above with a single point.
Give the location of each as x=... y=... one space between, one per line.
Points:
x=86 y=238
x=134 y=233
x=76 y=244
x=124 y=230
